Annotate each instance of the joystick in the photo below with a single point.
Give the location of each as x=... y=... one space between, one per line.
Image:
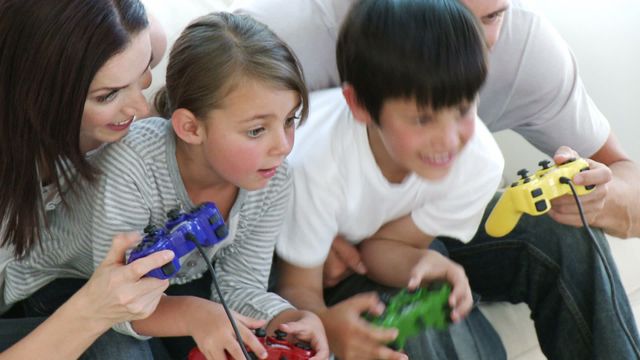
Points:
x=278 y=348
x=532 y=194
x=413 y=311
x=203 y=225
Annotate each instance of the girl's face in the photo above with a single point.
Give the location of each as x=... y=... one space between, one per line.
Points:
x=115 y=95
x=249 y=136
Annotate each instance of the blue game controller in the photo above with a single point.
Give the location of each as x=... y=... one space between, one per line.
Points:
x=203 y=225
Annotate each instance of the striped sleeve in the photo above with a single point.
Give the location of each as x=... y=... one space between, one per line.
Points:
x=243 y=268
x=119 y=205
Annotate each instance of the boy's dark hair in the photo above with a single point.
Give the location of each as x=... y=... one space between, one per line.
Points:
x=50 y=51
x=430 y=50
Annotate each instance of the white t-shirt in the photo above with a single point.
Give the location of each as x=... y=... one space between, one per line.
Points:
x=339 y=189
x=533 y=85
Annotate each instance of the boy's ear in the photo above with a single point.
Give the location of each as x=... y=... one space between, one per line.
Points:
x=359 y=112
x=187 y=127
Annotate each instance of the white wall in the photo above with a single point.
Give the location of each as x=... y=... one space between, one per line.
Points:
x=605 y=38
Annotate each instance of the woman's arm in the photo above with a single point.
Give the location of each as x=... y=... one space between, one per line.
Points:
x=116 y=292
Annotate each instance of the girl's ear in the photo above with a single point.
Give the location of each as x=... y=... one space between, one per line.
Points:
x=187 y=127
x=359 y=112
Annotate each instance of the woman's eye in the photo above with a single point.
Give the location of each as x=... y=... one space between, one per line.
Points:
x=108 y=97
x=254 y=133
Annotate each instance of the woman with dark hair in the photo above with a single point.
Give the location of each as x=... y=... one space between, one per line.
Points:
x=71 y=79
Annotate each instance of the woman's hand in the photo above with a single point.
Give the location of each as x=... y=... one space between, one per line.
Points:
x=118 y=292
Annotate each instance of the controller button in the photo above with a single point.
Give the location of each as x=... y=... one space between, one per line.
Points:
x=526 y=180
x=569 y=161
x=222 y=231
x=173 y=214
x=260 y=332
x=168 y=269
x=544 y=164
x=303 y=346
x=514 y=184
x=214 y=219
x=589 y=187
x=280 y=335
x=524 y=173
x=536 y=192
x=541 y=205
x=190 y=237
x=150 y=229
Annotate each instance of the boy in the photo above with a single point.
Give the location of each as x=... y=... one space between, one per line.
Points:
x=401 y=160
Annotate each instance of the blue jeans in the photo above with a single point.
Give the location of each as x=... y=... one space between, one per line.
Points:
x=556 y=271
x=111 y=345
x=471 y=339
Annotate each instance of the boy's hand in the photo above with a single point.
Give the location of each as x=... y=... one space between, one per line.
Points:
x=434 y=266
x=212 y=332
x=308 y=327
x=564 y=209
x=342 y=261
x=352 y=337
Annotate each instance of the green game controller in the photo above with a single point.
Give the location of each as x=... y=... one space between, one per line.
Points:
x=532 y=194
x=411 y=312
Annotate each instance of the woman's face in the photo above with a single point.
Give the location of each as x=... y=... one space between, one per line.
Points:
x=115 y=95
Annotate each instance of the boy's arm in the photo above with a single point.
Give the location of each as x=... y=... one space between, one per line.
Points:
x=350 y=336
x=398 y=245
x=398 y=255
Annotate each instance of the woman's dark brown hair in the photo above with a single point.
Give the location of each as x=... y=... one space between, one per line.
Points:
x=50 y=51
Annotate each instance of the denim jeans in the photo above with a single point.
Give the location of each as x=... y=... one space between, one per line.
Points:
x=556 y=270
x=471 y=339
x=111 y=345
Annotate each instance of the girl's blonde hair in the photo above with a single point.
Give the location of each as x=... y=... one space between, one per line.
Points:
x=216 y=51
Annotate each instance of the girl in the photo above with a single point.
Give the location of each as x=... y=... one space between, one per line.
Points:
x=233 y=94
x=71 y=77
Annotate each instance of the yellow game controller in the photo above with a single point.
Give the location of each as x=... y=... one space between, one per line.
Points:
x=533 y=194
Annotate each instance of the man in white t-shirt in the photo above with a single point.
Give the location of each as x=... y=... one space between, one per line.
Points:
x=393 y=149
x=533 y=88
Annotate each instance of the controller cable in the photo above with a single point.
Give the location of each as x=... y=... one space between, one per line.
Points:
x=565 y=180
x=224 y=303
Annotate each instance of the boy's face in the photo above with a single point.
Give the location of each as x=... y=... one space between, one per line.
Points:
x=417 y=139
x=490 y=14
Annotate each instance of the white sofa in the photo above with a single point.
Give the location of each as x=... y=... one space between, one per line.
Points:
x=614 y=90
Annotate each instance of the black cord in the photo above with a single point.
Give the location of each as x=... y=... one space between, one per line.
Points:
x=565 y=180
x=224 y=304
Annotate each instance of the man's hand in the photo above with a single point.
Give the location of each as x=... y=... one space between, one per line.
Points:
x=565 y=210
x=434 y=266
x=343 y=260
x=352 y=337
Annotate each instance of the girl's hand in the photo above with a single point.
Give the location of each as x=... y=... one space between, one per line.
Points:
x=212 y=331
x=117 y=292
x=434 y=266
x=308 y=327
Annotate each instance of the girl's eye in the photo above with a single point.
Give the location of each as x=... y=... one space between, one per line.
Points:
x=254 y=133
x=108 y=97
x=290 y=122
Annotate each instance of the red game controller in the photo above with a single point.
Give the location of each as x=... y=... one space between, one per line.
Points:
x=278 y=348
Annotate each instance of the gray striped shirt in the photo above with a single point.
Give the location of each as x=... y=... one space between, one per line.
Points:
x=139 y=183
